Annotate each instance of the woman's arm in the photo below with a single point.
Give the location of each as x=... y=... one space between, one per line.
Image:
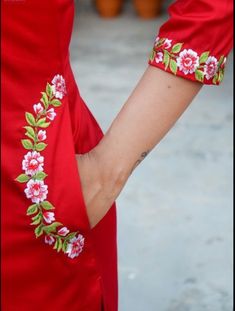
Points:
x=154 y=106
x=192 y=44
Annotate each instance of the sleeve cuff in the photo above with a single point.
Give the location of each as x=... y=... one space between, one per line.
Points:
x=173 y=57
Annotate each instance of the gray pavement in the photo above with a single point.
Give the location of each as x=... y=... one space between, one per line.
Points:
x=175 y=214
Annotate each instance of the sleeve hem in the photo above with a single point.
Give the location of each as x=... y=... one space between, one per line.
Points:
x=171 y=56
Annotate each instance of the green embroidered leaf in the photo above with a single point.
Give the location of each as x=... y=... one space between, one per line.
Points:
x=30 y=118
x=45 y=100
x=160 y=42
x=56 y=103
x=52 y=227
x=40 y=175
x=36 y=221
x=64 y=247
x=32 y=209
x=70 y=236
x=176 y=48
x=56 y=244
x=44 y=125
x=59 y=244
x=40 y=122
x=166 y=59
x=28 y=128
x=27 y=144
x=38 y=216
x=173 y=66
x=152 y=55
x=38 y=231
x=221 y=60
x=47 y=205
x=22 y=178
x=29 y=135
x=221 y=75
x=199 y=75
x=30 y=132
x=40 y=146
x=49 y=90
x=203 y=57
x=215 y=79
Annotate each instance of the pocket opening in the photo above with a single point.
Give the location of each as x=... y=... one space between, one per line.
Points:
x=81 y=192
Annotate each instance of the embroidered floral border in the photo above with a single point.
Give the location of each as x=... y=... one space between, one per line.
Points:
x=206 y=68
x=42 y=211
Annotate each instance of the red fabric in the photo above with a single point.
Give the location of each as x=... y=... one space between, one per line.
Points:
x=35 y=45
x=201 y=25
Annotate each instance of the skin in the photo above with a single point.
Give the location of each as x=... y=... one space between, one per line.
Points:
x=154 y=106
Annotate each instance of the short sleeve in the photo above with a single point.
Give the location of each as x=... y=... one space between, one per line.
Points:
x=195 y=41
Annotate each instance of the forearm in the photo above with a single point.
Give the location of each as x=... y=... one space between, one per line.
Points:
x=154 y=106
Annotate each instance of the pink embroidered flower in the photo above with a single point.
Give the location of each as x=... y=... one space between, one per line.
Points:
x=33 y=163
x=63 y=231
x=157 y=40
x=51 y=114
x=42 y=135
x=49 y=217
x=210 y=67
x=75 y=246
x=49 y=239
x=188 y=61
x=167 y=44
x=159 y=57
x=38 y=108
x=59 y=88
x=36 y=190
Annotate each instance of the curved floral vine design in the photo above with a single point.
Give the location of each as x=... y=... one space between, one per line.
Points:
x=42 y=211
x=204 y=66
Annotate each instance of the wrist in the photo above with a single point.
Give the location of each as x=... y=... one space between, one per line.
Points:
x=112 y=169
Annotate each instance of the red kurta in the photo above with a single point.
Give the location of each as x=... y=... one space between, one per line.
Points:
x=44 y=124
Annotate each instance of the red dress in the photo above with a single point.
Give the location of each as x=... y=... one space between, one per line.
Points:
x=44 y=124
x=51 y=260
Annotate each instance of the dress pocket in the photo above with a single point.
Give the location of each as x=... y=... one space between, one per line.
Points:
x=81 y=195
x=78 y=216
x=89 y=135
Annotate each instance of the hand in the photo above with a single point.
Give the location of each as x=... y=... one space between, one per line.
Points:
x=100 y=189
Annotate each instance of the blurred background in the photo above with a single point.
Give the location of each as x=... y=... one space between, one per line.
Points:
x=175 y=214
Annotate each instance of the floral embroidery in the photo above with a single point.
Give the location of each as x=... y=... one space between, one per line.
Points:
x=51 y=114
x=75 y=246
x=159 y=57
x=175 y=58
x=187 y=61
x=41 y=211
x=167 y=44
x=49 y=217
x=63 y=231
x=36 y=190
x=33 y=163
x=49 y=239
x=210 y=67
x=58 y=86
